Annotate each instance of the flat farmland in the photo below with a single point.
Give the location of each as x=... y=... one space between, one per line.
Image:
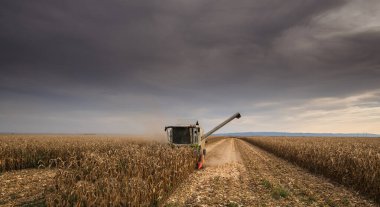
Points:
x=239 y=173
x=353 y=162
x=89 y=170
x=100 y=170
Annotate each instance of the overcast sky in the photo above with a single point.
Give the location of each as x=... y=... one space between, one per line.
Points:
x=132 y=66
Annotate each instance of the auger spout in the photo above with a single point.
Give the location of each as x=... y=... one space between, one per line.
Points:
x=237 y=115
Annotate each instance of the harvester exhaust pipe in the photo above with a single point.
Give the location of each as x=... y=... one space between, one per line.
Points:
x=237 y=115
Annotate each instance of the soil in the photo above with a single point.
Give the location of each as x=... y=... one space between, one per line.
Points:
x=237 y=173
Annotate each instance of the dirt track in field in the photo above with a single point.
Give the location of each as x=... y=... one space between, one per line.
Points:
x=237 y=173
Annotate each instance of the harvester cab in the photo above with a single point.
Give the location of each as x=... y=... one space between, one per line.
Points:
x=184 y=134
x=192 y=135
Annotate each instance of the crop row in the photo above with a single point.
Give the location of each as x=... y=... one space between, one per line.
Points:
x=100 y=170
x=354 y=162
x=136 y=175
x=32 y=151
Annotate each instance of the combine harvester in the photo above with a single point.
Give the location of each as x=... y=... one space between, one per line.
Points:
x=192 y=135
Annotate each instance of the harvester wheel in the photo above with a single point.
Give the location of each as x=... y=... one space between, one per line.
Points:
x=200 y=161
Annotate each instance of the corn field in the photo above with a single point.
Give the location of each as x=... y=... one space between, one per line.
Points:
x=31 y=151
x=100 y=171
x=354 y=162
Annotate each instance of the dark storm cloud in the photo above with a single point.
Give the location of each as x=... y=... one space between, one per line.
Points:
x=98 y=42
x=352 y=50
x=126 y=57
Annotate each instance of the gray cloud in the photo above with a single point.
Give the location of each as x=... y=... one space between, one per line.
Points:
x=128 y=59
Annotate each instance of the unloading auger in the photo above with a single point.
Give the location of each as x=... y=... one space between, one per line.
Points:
x=192 y=135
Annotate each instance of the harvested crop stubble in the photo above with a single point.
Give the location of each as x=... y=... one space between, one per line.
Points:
x=354 y=162
x=135 y=175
